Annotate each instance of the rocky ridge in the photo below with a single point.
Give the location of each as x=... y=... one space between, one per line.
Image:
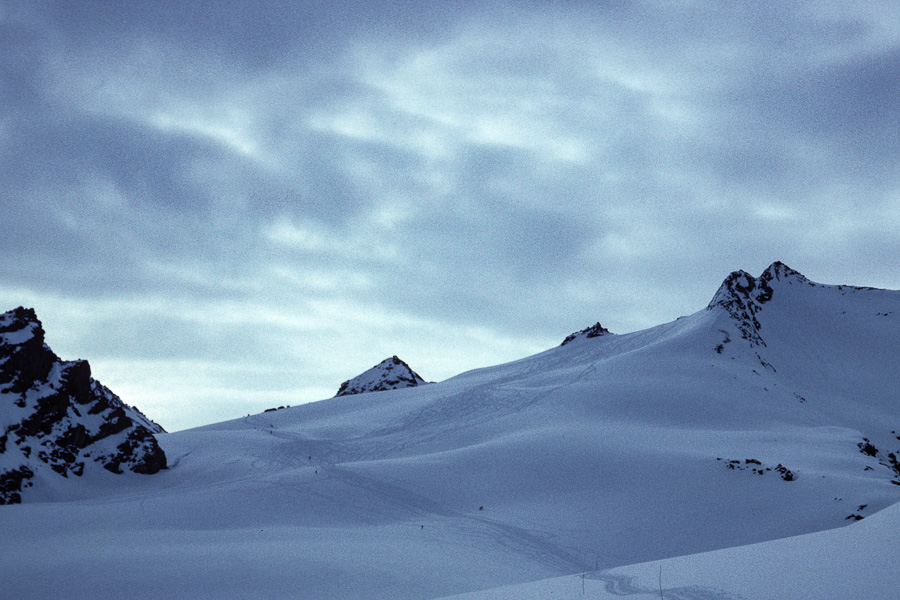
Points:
x=595 y=330
x=743 y=296
x=56 y=420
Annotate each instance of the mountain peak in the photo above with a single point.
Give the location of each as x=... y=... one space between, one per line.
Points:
x=56 y=419
x=778 y=271
x=27 y=357
x=595 y=330
x=390 y=374
x=743 y=295
x=16 y=318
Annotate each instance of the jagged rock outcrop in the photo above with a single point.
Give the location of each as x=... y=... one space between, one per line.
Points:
x=55 y=417
x=390 y=374
x=743 y=296
x=595 y=330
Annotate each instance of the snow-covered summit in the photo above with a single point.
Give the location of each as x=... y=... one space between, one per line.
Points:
x=390 y=374
x=56 y=420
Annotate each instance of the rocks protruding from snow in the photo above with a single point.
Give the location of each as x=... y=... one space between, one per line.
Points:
x=56 y=420
x=743 y=296
x=595 y=330
x=390 y=374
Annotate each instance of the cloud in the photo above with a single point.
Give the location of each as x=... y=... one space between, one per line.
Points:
x=287 y=193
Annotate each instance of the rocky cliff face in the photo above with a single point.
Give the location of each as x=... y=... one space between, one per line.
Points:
x=56 y=419
x=390 y=374
x=743 y=296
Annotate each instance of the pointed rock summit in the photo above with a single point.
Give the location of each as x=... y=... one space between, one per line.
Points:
x=56 y=420
x=390 y=374
x=743 y=296
x=595 y=330
x=743 y=287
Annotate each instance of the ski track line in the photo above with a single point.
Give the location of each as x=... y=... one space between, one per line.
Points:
x=471 y=407
x=623 y=585
x=520 y=541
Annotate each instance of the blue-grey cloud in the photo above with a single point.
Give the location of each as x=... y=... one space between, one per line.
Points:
x=223 y=205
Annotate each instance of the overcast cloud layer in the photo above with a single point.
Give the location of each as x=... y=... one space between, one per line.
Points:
x=227 y=206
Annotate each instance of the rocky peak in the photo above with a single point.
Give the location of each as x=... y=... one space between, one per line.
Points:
x=778 y=271
x=390 y=374
x=55 y=417
x=595 y=330
x=743 y=296
x=24 y=357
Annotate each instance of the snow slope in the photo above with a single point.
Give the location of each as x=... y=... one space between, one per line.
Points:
x=857 y=562
x=771 y=413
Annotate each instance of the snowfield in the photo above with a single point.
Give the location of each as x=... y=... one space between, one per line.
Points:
x=731 y=452
x=855 y=562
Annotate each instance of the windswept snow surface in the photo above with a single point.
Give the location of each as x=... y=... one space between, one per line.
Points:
x=610 y=451
x=853 y=563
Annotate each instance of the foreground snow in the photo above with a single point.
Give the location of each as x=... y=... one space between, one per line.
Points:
x=856 y=562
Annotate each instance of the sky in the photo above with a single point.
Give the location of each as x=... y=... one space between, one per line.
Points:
x=228 y=206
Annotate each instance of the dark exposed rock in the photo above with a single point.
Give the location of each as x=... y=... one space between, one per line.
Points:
x=743 y=297
x=786 y=473
x=888 y=460
x=49 y=410
x=116 y=421
x=867 y=448
x=140 y=449
x=61 y=413
x=736 y=295
x=760 y=469
x=28 y=359
x=12 y=482
x=74 y=437
x=893 y=463
x=595 y=330
x=77 y=380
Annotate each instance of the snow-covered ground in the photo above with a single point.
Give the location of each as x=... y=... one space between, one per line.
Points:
x=852 y=563
x=736 y=462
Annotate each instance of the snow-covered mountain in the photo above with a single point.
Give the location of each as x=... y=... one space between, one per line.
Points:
x=57 y=421
x=700 y=445
x=390 y=374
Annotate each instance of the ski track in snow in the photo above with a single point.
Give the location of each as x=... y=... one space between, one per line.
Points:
x=623 y=585
x=330 y=463
x=521 y=541
x=468 y=408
